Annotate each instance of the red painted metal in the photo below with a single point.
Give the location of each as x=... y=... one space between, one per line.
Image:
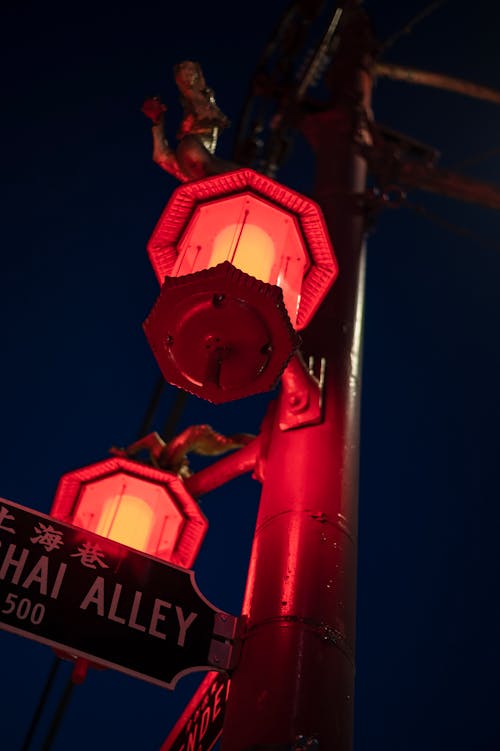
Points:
x=220 y=333
x=273 y=204
x=302 y=400
x=200 y=724
x=226 y=469
x=96 y=496
x=296 y=674
x=243 y=262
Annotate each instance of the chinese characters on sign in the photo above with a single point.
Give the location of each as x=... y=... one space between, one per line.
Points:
x=93 y=597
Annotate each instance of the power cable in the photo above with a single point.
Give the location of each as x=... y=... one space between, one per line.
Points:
x=437 y=80
x=58 y=715
x=477 y=158
x=152 y=407
x=450 y=226
x=408 y=27
x=174 y=415
x=41 y=704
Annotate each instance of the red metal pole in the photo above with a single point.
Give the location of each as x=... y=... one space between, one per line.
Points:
x=294 y=685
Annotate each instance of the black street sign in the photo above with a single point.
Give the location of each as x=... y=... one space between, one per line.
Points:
x=92 y=597
x=200 y=725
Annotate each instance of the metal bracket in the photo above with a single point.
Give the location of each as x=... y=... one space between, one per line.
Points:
x=220 y=655
x=225 y=626
x=301 y=400
x=225 y=647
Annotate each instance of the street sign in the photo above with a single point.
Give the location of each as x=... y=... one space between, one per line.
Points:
x=200 y=725
x=92 y=597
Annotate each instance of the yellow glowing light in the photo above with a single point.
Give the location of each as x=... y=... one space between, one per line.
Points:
x=255 y=236
x=126 y=519
x=132 y=511
x=246 y=246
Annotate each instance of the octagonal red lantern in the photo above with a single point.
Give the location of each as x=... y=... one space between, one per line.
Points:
x=260 y=249
x=132 y=503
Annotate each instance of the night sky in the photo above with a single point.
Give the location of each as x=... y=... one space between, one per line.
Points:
x=80 y=198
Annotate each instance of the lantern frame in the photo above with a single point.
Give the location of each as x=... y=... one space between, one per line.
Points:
x=181 y=208
x=192 y=530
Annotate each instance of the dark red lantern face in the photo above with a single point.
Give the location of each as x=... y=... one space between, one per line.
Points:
x=145 y=508
x=277 y=244
x=220 y=334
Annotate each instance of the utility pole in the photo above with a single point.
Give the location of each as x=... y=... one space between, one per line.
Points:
x=294 y=685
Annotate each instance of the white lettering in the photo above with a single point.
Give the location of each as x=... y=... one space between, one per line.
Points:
x=110 y=607
x=114 y=604
x=184 y=624
x=132 y=622
x=59 y=577
x=158 y=616
x=9 y=561
x=40 y=574
x=95 y=595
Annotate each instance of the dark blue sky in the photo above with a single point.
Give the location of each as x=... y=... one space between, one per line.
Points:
x=80 y=198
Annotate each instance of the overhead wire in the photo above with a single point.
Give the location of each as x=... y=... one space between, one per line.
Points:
x=477 y=158
x=58 y=715
x=174 y=415
x=152 y=407
x=44 y=695
x=451 y=226
x=462 y=87
x=437 y=80
x=410 y=25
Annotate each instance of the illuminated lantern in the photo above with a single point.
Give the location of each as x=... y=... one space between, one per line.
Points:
x=243 y=263
x=132 y=503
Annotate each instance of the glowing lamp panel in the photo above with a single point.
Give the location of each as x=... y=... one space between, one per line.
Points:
x=131 y=511
x=254 y=235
